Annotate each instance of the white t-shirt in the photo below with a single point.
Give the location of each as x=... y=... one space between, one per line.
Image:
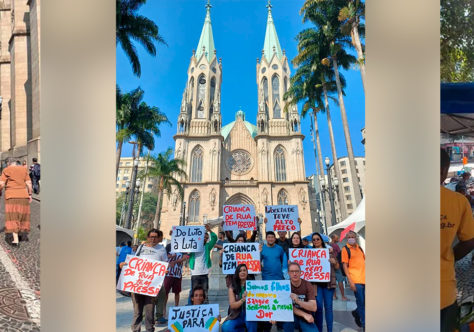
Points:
x=157 y=252
x=200 y=267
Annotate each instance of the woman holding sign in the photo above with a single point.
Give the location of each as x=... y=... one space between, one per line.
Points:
x=235 y=321
x=325 y=290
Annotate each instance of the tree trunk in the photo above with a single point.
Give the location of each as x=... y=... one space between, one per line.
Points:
x=342 y=205
x=117 y=157
x=318 y=143
x=358 y=47
x=156 y=220
x=347 y=135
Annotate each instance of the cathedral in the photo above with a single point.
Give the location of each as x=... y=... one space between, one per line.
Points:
x=240 y=162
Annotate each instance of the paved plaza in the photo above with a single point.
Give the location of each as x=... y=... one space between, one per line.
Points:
x=20 y=278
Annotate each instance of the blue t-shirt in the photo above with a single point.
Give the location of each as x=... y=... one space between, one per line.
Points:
x=274 y=263
x=123 y=254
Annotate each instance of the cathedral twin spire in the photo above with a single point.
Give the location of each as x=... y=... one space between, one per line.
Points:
x=206 y=41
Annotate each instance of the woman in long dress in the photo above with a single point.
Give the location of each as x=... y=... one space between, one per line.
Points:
x=18 y=189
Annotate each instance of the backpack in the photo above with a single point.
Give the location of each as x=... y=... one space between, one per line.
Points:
x=339 y=257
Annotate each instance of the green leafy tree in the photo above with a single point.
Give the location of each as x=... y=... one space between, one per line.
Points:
x=457 y=41
x=132 y=26
x=169 y=173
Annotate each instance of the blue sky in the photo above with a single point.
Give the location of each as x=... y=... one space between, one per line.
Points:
x=239 y=32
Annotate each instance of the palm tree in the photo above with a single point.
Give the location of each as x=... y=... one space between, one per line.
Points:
x=131 y=26
x=324 y=14
x=314 y=81
x=126 y=105
x=350 y=17
x=168 y=171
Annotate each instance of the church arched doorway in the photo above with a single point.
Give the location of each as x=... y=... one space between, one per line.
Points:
x=239 y=198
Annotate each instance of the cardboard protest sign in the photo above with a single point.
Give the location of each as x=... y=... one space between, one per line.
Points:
x=177 y=269
x=282 y=218
x=314 y=263
x=239 y=217
x=187 y=238
x=241 y=253
x=142 y=275
x=269 y=300
x=194 y=318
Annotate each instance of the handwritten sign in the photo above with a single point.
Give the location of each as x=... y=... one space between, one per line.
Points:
x=282 y=218
x=187 y=238
x=241 y=253
x=193 y=318
x=269 y=300
x=239 y=217
x=314 y=263
x=142 y=275
x=176 y=270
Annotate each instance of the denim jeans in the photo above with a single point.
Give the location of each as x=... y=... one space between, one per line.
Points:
x=239 y=324
x=300 y=324
x=360 y=301
x=324 y=298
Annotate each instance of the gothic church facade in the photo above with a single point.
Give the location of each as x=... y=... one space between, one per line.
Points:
x=238 y=163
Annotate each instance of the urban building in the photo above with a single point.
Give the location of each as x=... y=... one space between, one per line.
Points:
x=20 y=79
x=347 y=185
x=125 y=175
x=240 y=162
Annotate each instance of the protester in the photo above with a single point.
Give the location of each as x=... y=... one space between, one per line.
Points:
x=174 y=275
x=221 y=240
x=151 y=249
x=325 y=290
x=274 y=260
x=353 y=263
x=134 y=249
x=339 y=276
x=160 y=300
x=295 y=242
x=304 y=304
x=35 y=174
x=455 y=221
x=18 y=191
x=235 y=321
x=126 y=250
x=200 y=262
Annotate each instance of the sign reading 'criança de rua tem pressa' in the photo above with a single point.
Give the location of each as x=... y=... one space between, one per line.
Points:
x=241 y=253
x=141 y=275
x=194 y=318
x=282 y=218
x=314 y=263
x=187 y=238
x=239 y=217
x=269 y=300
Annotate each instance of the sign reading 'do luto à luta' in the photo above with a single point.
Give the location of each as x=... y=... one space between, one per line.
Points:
x=187 y=238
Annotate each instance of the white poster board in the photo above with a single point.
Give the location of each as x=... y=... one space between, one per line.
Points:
x=247 y=253
x=239 y=217
x=142 y=275
x=269 y=300
x=314 y=263
x=282 y=218
x=194 y=318
x=187 y=238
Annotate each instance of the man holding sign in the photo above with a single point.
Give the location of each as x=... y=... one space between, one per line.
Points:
x=153 y=251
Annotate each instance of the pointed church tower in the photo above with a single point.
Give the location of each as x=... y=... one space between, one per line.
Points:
x=273 y=78
x=200 y=107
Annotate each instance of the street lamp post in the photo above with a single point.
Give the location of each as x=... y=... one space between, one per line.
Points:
x=122 y=212
x=183 y=213
x=136 y=219
x=128 y=223
x=330 y=189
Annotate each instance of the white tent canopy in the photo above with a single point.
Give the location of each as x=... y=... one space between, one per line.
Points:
x=358 y=216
